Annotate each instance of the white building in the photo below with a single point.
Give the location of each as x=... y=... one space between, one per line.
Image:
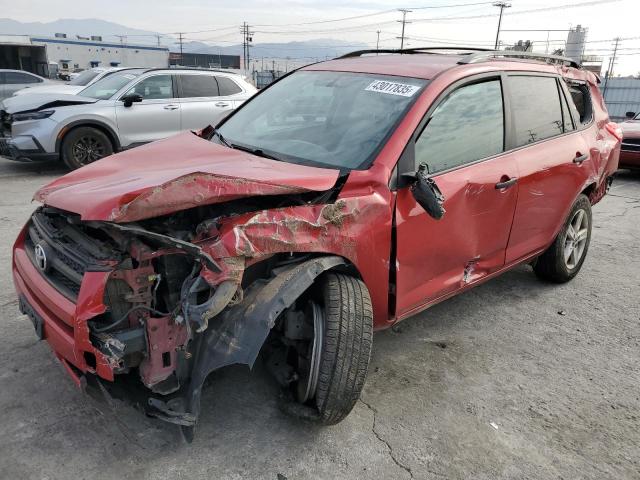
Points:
x=96 y=53
x=36 y=54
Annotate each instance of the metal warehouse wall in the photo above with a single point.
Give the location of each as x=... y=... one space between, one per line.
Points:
x=82 y=53
x=622 y=95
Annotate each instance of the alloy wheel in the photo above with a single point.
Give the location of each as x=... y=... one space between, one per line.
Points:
x=576 y=239
x=88 y=149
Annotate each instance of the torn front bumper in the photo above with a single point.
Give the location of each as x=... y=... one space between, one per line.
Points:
x=58 y=320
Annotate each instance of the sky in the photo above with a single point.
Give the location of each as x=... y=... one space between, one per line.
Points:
x=433 y=22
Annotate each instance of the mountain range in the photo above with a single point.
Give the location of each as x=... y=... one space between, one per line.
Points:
x=112 y=32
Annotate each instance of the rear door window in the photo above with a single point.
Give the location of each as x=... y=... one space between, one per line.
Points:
x=198 y=86
x=467 y=126
x=535 y=104
x=18 y=78
x=228 y=86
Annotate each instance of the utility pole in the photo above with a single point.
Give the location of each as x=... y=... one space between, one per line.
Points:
x=502 y=6
x=247 y=38
x=123 y=39
x=158 y=39
x=404 y=12
x=378 y=40
x=180 y=41
x=612 y=62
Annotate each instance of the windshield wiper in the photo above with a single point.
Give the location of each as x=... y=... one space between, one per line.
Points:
x=256 y=151
x=219 y=135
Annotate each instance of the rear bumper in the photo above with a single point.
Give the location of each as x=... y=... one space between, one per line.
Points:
x=57 y=319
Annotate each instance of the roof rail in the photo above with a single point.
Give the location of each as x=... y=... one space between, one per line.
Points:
x=431 y=50
x=195 y=69
x=482 y=56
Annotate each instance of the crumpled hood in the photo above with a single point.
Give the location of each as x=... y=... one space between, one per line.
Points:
x=39 y=101
x=175 y=174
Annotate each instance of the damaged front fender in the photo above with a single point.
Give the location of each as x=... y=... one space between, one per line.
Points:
x=239 y=332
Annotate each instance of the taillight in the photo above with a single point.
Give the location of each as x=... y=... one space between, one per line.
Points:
x=614 y=129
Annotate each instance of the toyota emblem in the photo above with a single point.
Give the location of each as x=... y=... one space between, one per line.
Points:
x=41 y=258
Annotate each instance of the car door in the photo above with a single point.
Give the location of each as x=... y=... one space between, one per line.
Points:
x=463 y=146
x=552 y=157
x=157 y=116
x=230 y=92
x=200 y=101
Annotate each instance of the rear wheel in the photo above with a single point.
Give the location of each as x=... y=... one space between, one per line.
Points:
x=84 y=145
x=564 y=258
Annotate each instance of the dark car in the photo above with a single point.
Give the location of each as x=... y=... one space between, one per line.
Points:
x=297 y=232
x=630 y=149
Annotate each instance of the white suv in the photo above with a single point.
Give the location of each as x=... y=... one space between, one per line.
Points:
x=123 y=110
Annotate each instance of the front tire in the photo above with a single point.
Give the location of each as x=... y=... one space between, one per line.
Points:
x=564 y=258
x=84 y=145
x=346 y=346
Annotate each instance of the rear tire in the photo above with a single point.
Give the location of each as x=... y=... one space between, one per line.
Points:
x=84 y=145
x=564 y=258
x=346 y=346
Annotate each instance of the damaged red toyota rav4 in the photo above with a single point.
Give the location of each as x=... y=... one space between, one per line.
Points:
x=342 y=199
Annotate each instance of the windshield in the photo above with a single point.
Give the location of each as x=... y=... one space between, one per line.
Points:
x=84 y=78
x=106 y=87
x=330 y=119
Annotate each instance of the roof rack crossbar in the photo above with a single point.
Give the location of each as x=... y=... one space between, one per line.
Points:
x=359 y=53
x=473 y=55
x=482 y=56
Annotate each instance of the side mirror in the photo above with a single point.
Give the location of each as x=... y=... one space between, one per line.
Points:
x=630 y=115
x=427 y=194
x=129 y=100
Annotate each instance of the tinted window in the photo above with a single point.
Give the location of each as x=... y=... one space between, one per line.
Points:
x=536 y=108
x=467 y=126
x=199 y=86
x=335 y=119
x=17 y=77
x=581 y=101
x=153 y=88
x=227 y=86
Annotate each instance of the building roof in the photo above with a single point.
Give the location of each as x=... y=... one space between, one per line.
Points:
x=95 y=43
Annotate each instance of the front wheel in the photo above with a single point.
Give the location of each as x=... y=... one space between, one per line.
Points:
x=564 y=258
x=84 y=145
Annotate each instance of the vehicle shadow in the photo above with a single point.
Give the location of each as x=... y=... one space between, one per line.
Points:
x=9 y=168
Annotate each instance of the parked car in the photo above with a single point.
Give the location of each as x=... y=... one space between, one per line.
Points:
x=83 y=80
x=14 y=80
x=630 y=150
x=122 y=110
x=297 y=233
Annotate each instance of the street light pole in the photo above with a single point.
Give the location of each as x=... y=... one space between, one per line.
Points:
x=502 y=6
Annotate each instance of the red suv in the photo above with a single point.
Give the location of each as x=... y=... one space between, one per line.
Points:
x=347 y=196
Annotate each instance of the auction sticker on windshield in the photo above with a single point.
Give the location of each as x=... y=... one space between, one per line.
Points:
x=392 y=88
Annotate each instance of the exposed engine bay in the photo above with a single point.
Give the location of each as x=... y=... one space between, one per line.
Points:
x=177 y=305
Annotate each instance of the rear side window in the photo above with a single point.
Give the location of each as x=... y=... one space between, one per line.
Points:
x=566 y=114
x=581 y=101
x=17 y=77
x=467 y=126
x=536 y=108
x=198 y=86
x=227 y=86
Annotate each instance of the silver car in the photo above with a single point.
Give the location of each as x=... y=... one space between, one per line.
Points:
x=13 y=80
x=121 y=111
x=75 y=85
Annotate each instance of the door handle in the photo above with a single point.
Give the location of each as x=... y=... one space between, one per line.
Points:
x=506 y=184
x=171 y=107
x=222 y=104
x=581 y=158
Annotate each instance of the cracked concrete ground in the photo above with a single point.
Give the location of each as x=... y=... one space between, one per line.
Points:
x=492 y=384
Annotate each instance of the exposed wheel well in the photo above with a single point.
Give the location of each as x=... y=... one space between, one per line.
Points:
x=104 y=129
x=589 y=190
